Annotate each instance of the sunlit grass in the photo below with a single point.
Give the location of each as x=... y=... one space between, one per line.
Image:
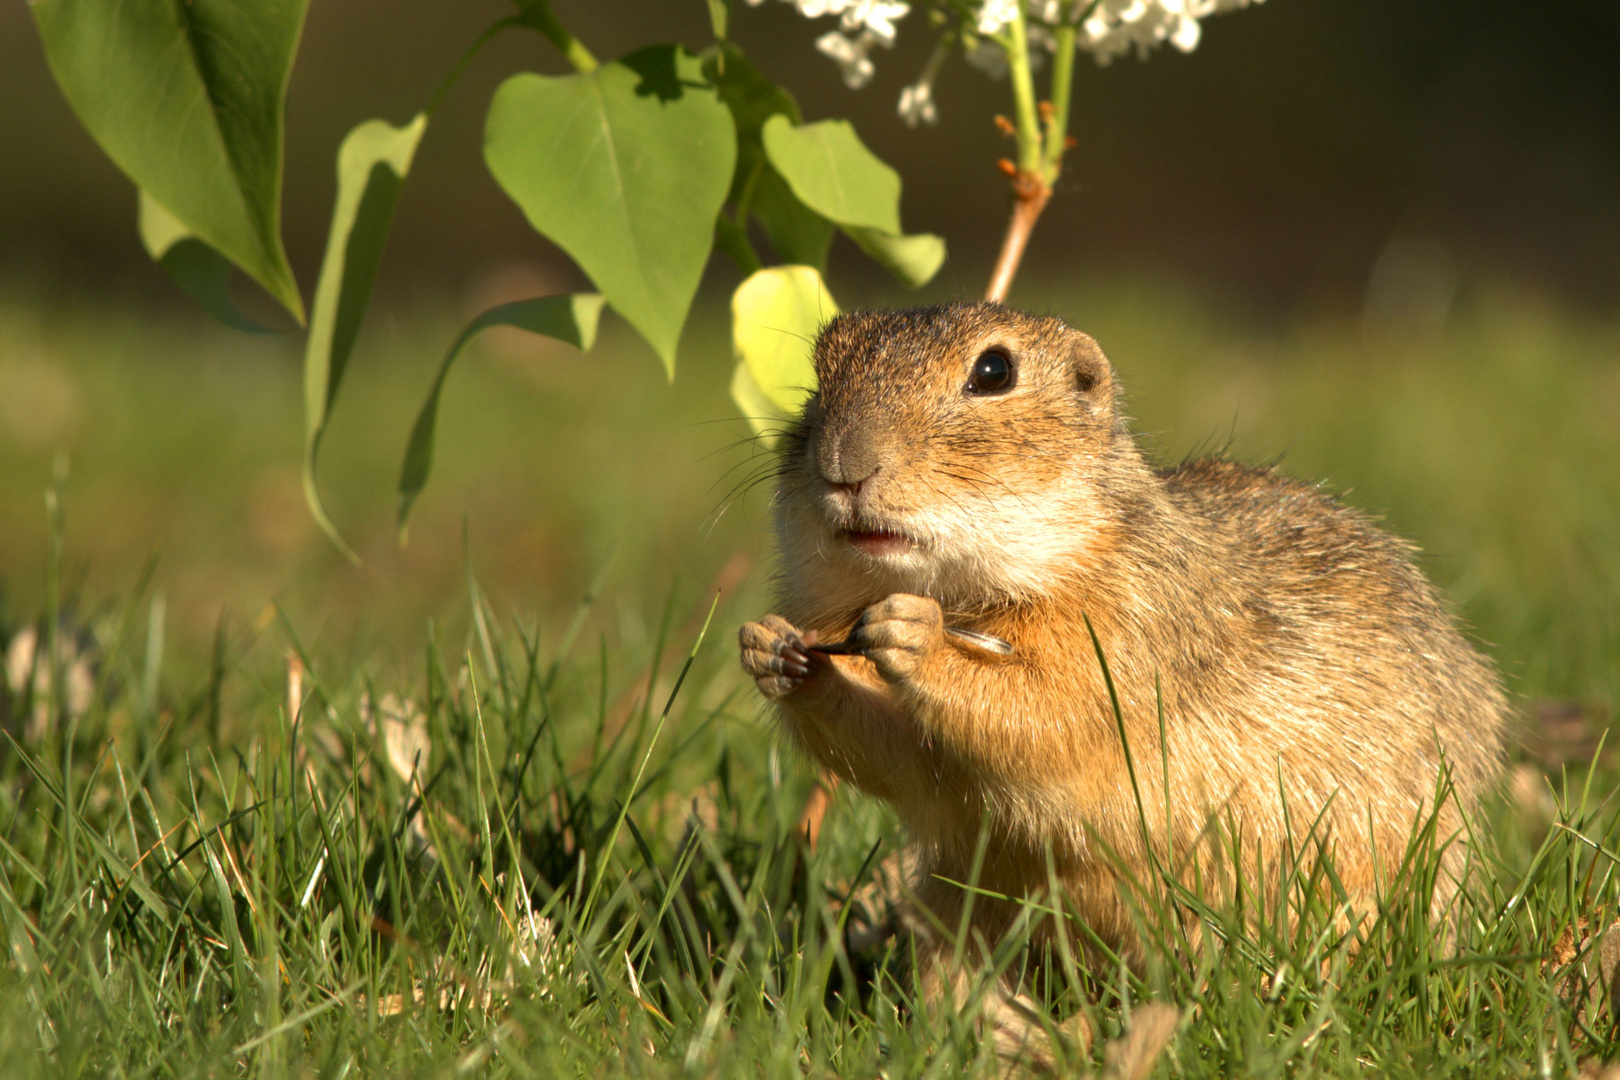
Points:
x=515 y=867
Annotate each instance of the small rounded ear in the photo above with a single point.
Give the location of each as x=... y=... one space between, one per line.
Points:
x=1092 y=373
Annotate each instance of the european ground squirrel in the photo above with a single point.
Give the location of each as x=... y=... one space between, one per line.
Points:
x=968 y=466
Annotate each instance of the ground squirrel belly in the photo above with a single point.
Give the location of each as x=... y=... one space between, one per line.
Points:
x=968 y=466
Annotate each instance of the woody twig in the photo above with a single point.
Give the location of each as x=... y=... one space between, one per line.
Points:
x=1042 y=133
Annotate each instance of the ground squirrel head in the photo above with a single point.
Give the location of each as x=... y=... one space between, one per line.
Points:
x=955 y=451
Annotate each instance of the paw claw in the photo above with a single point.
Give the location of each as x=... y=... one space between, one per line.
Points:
x=773 y=652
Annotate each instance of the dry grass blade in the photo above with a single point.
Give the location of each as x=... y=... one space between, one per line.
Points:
x=1132 y=1056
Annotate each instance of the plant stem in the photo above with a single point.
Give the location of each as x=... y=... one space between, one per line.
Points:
x=1057 y=132
x=1039 y=161
x=466 y=58
x=50 y=644
x=732 y=239
x=537 y=13
x=1030 y=195
x=731 y=234
x=936 y=59
x=1023 y=87
x=746 y=195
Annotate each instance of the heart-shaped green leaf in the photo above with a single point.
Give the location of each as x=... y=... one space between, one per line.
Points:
x=372 y=165
x=833 y=177
x=913 y=258
x=625 y=169
x=187 y=97
x=775 y=317
x=833 y=173
x=567 y=318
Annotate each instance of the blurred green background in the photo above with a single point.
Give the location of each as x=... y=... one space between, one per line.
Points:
x=1377 y=240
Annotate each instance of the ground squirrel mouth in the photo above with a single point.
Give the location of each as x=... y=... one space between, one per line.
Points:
x=880 y=543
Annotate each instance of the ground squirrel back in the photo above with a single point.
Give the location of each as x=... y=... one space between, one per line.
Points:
x=968 y=466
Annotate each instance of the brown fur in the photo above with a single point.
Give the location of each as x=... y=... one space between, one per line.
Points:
x=1292 y=640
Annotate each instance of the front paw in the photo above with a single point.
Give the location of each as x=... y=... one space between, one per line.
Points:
x=898 y=633
x=774 y=654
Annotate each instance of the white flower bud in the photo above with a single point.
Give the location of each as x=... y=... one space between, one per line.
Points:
x=1185 y=34
x=875 y=17
x=995 y=14
x=917 y=105
x=850 y=54
x=815 y=9
x=862 y=24
x=1115 y=26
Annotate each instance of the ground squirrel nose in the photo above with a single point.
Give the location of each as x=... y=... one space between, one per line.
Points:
x=847 y=460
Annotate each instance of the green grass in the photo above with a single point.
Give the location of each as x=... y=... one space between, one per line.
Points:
x=195 y=883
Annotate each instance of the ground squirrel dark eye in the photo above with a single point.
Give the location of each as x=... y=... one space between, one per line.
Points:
x=993 y=373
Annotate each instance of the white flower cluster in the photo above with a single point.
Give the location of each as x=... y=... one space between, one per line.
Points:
x=1115 y=26
x=862 y=24
x=1110 y=28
